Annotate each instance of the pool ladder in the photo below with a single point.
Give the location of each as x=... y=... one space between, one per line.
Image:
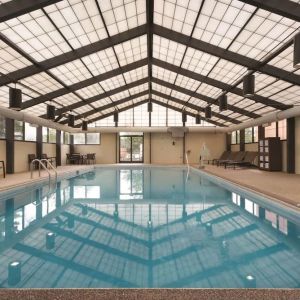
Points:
x=188 y=166
x=44 y=166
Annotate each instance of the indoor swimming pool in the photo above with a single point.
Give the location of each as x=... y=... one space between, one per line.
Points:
x=146 y=227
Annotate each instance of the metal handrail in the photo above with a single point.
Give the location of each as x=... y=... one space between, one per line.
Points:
x=188 y=165
x=50 y=164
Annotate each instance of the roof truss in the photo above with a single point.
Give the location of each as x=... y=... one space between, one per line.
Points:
x=287 y=9
x=16 y=8
x=219 y=84
x=228 y=55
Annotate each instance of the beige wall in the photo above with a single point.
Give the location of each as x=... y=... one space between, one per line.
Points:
x=22 y=149
x=235 y=147
x=216 y=144
x=49 y=149
x=297 y=134
x=3 y=150
x=105 y=152
x=163 y=151
x=64 y=150
x=147 y=148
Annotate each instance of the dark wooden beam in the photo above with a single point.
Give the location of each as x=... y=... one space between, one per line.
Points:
x=73 y=55
x=84 y=83
x=17 y=8
x=219 y=84
x=287 y=9
x=234 y=57
x=202 y=97
x=193 y=106
x=107 y=106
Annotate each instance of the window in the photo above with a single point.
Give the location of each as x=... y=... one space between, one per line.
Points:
x=52 y=135
x=67 y=137
x=270 y=131
x=87 y=138
x=79 y=138
x=276 y=129
x=93 y=138
x=141 y=115
x=174 y=118
x=282 y=129
x=159 y=115
x=2 y=127
x=30 y=132
x=248 y=135
x=45 y=135
x=233 y=137
x=251 y=135
x=19 y=132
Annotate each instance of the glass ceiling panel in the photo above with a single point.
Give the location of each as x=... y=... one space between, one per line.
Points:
x=138 y=89
x=90 y=91
x=161 y=89
x=180 y=96
x=35 y=35
x=67 y=99
x=37 y=110
x=109 y=121
x=42 y=82
x=163 y=74
x=101 y=62
x=136 y=74
x=4 y=96
x=187 y=82
x=290 y=95
x=120 y=16
x=285 y=61
x=112 y=83
x=71 y=72
x=220 y=21
x=159 y=115
x=197 y=102
x=79 y=21
x=120 y=96
x=209 y=90
x=198 y=61
x=227 y=71
x=168 y=51
x=10 y=60
x=265 y=32
x=132 y=50
x=176 y=15
x=101 y=102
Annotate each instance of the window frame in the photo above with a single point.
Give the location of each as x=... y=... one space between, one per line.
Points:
x=85 y=139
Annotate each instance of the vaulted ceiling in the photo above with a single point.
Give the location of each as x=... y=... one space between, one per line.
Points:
x=96 y=57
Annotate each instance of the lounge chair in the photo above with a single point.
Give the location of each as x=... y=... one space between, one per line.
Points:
x=247 y=161
x=232 y=156
x=2 y=166
x=224 y=156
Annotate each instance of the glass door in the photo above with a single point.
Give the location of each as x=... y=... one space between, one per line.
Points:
x=131 y=148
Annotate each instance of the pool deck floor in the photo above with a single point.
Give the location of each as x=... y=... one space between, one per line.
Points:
x=13 y=180
x=278 y=185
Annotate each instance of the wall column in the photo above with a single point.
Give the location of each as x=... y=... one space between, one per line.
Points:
x=72 y=150
x=39 y=142
x=261 y=133
x=242 y=140
x=58 y=148
x=291 y=146
x=10 y=145
x=228 y=142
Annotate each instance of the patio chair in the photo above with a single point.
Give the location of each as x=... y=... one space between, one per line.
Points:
x=231 y=156
x=32 y=157
x=91 y=157
x=247 y=161
x=223 y=156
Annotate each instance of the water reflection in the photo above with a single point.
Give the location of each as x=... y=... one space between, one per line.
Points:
x=184 y=233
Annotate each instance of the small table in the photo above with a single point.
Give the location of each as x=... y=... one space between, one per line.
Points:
x=3 y=167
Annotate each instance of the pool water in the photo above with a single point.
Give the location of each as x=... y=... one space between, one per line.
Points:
x=147 y=227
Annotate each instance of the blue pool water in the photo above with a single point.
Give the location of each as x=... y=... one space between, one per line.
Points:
x=146 y=227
